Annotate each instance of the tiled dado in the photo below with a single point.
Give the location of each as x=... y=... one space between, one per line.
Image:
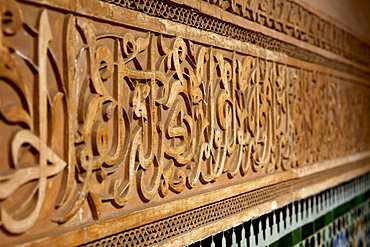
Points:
x=338 y=215
x=112 y=119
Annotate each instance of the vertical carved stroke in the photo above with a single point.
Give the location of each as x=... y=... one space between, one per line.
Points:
x=36 y=138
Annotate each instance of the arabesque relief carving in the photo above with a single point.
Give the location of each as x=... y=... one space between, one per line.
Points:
x=291 y=18
x=101 y=114
x=284 y=16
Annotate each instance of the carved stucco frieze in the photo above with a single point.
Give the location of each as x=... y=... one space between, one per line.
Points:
x=96 y=119
x=285 y=16
x=293 y=19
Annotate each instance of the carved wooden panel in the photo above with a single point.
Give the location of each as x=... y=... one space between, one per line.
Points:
x=125 y=113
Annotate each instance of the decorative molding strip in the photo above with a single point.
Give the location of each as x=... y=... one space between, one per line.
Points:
x=294 y=20
x=159 y=231
x=173 y=226
x=193 y=18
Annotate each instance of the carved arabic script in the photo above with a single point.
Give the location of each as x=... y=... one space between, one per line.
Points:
x=146 y=114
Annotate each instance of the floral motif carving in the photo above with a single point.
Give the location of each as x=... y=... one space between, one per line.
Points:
x=296 y=21
x=285 y=16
